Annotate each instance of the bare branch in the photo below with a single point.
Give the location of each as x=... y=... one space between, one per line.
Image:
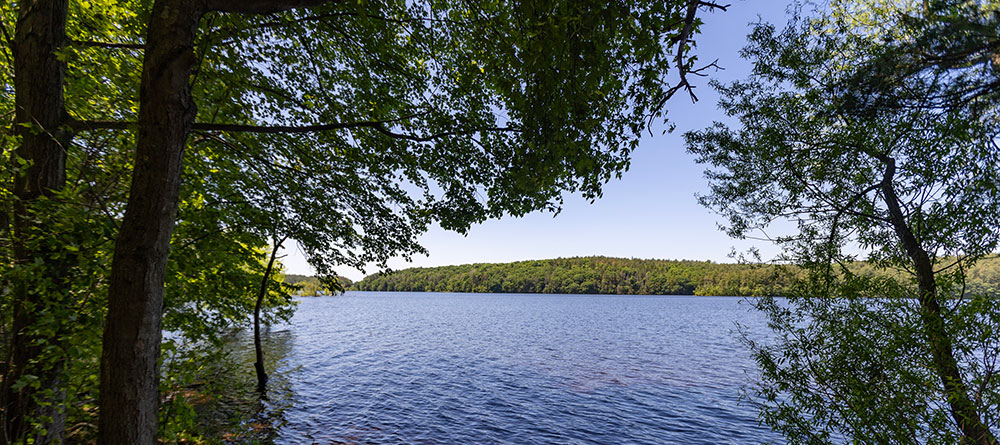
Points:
x=682 y=40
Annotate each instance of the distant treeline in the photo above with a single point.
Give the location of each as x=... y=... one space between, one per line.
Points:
x=311 y=286
x=603 y=275
x=587 y=275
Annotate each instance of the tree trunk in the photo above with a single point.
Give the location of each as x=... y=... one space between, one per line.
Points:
x=38 y=86
x=131 y=342
x=963 y=410
x=129 y=363
x=259 y=364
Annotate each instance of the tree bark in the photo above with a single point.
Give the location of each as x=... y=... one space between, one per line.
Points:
x=259 y=363
x=131 y=342
x=129 y=363
x=39 y=119
x=963 y=410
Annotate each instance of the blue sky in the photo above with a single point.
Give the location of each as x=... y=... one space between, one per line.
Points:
x=651 y=212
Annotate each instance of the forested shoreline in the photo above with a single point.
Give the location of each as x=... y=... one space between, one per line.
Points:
x=310 y=286
x=624 y=276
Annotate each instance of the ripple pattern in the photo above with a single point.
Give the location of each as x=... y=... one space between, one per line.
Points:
x=429 y=368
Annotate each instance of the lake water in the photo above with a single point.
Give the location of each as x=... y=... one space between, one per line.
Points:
x=438 y=368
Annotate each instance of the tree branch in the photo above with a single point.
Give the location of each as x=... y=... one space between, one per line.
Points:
x=962 y=410
x=379 y=126
x=280 y=23
x=382 y=129
x=261 y=6
x=682 y=40
x=92 y=44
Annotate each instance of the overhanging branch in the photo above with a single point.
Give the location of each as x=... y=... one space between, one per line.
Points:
x=262 y=6
x=682 y=40
x=115 y=45
x=379 y=126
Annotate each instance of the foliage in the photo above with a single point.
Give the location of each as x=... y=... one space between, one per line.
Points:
x=436 y=112
x=209 y=392
x=835 y=339
x=621 y=276
x=213 y=272
x=872 y=128
x=308 y=286
x=213 y=277
x=349 y=127
x=586 y=275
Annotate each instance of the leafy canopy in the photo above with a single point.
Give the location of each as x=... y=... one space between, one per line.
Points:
x=438 y=112
x=350 y=127
x=871 y=126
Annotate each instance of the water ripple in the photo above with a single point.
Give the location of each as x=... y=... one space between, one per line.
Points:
x=517 y=369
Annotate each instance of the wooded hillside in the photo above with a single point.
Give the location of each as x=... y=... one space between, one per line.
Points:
x=604 y=275
x=586 y=275
x=310 y=286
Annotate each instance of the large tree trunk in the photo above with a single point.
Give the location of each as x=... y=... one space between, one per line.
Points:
x=258 y=349
x=963 y=410
x=131 y=342
x=129 y=364
x=38 y=86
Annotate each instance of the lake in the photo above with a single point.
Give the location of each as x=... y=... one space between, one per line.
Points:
x=371 y=367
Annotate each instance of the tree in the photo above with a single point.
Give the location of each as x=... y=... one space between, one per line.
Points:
x=871 y=127
x=39 y=119
x=372 y=119
x=52 y=318
x=258 y=350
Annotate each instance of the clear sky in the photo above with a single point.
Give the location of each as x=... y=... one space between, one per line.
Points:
x=651 y=212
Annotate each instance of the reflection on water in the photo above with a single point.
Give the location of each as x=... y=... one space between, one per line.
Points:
x=459 y=368
x=237 y=400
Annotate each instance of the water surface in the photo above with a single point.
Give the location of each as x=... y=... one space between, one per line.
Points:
x=371 y=367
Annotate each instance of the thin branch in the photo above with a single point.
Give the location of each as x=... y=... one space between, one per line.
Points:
x=90 y=125
x=379 y=126
x=276 y=93
x=382 y=129
x=9 y=43
x=682 y=40
x=318 y=17
x=115 y=45
x=262 y=6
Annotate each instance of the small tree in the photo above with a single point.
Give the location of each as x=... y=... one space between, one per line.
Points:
x=872 y=129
